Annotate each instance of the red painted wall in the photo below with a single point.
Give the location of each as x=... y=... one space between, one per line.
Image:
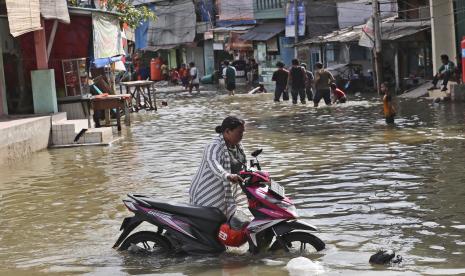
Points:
x=71 y=41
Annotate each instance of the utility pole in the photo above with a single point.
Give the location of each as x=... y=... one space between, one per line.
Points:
x=296 y=27
x=378 y=45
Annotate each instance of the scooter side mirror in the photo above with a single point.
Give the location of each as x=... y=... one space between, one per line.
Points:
x=256 y=153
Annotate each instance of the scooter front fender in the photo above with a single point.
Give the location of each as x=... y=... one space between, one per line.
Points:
x=288 y=226
x=129 y=224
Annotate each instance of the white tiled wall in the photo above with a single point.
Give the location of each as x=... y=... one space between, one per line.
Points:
x=64 y=132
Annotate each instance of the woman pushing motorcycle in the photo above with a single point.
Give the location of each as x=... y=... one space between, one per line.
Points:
x=213 y=220
x=214 y=183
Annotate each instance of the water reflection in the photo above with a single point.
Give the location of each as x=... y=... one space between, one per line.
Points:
x=364 y=184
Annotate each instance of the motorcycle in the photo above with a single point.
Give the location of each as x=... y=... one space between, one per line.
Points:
x=197 y=230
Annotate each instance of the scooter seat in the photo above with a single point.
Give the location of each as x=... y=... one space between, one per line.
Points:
x=188 y=210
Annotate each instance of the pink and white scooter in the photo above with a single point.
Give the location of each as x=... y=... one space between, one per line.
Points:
x=198 y=230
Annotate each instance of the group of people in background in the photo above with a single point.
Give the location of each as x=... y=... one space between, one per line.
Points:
x=301 y=82
x=187 y=76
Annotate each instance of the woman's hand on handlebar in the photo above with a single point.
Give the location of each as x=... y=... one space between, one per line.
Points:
x=235 y=178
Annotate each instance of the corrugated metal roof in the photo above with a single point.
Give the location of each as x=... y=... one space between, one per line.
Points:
x=232 y=29
x=391 y=30
x=342 y=36
x=263 y=32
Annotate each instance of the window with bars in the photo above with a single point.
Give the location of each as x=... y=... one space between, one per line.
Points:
x=269 y=4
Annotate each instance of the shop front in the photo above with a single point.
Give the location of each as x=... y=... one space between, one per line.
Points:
x=228 y=45
x=270 y=46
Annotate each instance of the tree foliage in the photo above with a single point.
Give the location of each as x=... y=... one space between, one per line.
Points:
x=130 y=14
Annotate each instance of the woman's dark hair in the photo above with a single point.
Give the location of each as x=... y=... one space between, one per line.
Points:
x=230 y=122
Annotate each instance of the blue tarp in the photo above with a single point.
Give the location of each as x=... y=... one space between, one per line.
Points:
x=141 y=32
x=102 y=62
x=206 y=8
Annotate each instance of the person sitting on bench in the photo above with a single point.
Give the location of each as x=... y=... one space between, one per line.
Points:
x=446 y=70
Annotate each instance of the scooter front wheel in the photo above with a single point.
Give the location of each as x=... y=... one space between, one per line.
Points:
x=146 y=242
x=298 y=242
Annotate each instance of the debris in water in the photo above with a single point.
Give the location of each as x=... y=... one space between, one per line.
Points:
x=303 y=266
x=272 y=262
x=384 y=257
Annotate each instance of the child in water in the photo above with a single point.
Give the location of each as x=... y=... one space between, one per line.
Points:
x=338 y=95
x=388 y=104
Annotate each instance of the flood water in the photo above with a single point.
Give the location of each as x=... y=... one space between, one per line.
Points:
x=366 y=186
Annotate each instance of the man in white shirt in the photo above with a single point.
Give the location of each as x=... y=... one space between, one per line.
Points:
x=193 y=77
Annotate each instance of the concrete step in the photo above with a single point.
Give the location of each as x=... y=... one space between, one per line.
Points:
x=64 y=132
x=60 y=116
x=103 y=135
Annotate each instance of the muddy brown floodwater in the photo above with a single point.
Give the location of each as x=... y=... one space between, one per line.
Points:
x=364 y=184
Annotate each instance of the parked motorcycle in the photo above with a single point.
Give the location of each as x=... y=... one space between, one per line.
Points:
x=197 y=230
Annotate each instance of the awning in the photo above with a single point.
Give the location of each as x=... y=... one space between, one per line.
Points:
x=231 y=29
x=390 y=29
x=161 y=47
x=264 y=31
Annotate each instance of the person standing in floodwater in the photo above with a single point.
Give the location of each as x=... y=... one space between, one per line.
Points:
x=297 y=80
x=229 y=75
x=322 y=80
x=309 y=83
x=388 y=104
x=280 y=76
x=194 y=78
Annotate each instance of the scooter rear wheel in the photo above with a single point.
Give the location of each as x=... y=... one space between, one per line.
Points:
x=297 y=242
x=146 y=242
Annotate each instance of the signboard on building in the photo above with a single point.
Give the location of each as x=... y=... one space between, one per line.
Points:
x=217 y=46
x=236 y=43
x=301 y=18
x=261 y=52
x=272 y=44
x=208 y=35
